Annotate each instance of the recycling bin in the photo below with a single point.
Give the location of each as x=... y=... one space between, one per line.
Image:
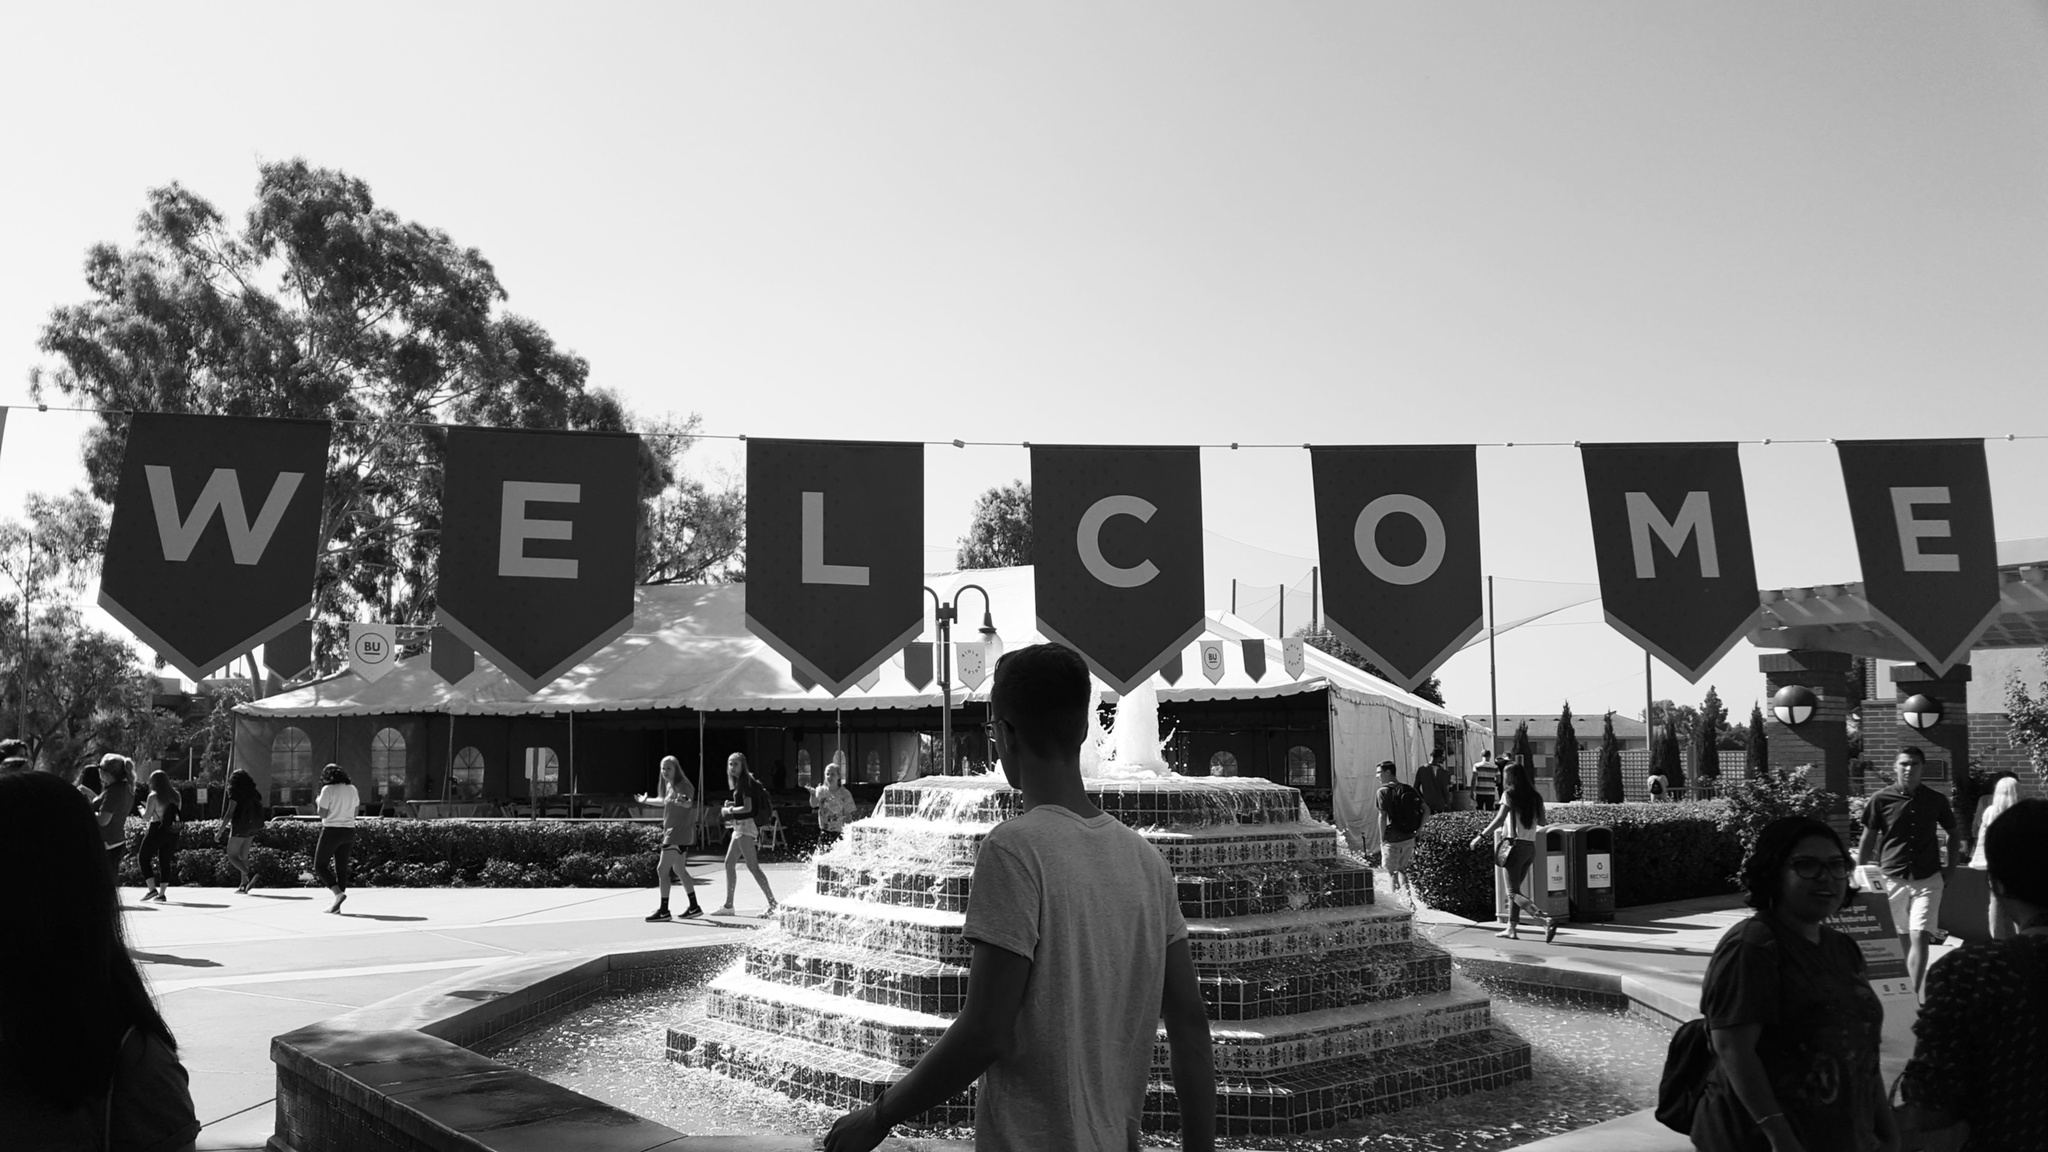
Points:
x=1549 y=881
x=1589 y=850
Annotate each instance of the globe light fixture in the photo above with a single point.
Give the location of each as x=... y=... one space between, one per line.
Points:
x=1794 y=705
x=1920 y=712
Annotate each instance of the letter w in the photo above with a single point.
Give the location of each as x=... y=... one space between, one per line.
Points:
x=223 y=492
x=1695 y=516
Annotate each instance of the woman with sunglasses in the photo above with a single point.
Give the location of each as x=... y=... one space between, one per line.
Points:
x=1794 y=1024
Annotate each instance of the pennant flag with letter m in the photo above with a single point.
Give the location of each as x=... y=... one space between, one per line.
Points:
x=835 y=548
x=1117 y=545
x=1671 y=539
x=539 y=531
x=1398 y=531
x=1924 y=535
x=215 y=539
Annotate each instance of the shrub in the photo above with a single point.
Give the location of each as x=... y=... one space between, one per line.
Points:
x=1766 y=795
x=1447 y=873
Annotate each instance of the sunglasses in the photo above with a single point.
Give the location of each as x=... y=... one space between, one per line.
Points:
x=1810 y=868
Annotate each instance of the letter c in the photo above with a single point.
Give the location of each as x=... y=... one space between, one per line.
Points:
x=1088 y=538
x=1364 y=536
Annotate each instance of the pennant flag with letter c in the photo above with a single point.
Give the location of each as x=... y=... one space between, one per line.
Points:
x=1671 y=540
x=1398 y=529
x=215 y=538
x=1117 y=544
x=1924 y=535
x=538 y=537
x=835 y=543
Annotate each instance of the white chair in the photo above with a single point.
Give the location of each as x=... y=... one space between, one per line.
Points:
x=771 y=834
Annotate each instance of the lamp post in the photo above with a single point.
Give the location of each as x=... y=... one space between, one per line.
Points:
x=944 y=613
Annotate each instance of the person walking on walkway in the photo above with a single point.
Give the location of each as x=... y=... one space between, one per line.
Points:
x=159 y=851
x=332 y=853
x=2004 y=795
x=1514 y=827
x=1485 y=782
x=750 y=804
x=112 y=807
x=834 y=803
x=240 y=817
x=678 y=831
x=1401 y=813
x=1433 y=780
x=1979 y=1073
x=1899 y=836
x=86 y=1060
x=1792 y=1019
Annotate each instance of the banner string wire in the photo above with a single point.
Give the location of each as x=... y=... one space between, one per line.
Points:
x=1233 y=445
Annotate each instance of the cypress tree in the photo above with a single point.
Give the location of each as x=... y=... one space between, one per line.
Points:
x=1671 y=755
x=1706 y=739
x=1566 y=776
x=1759 y=752
x=1610 y=764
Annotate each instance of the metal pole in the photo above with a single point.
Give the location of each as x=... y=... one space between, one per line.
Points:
x=448 y=774
x=28 y=581
x=572 y=763
x=1283 y=610
x=1314 y=602
x=1492 y=679
x=1233 y=595
x=1649 y=705
x=946 y=694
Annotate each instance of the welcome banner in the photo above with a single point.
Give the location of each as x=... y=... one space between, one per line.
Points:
x=1922 y=513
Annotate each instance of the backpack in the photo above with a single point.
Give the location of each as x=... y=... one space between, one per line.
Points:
x=1404 y=808
x=1687 y=1065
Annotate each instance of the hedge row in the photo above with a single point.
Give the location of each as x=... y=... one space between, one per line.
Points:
x=1662 y=852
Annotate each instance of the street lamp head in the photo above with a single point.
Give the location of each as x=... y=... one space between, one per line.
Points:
x=1794 y=705
x=1920 y=712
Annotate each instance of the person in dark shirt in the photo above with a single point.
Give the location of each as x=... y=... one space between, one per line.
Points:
x=1980 y=1056
x=1899 y=837
x=1433 y=780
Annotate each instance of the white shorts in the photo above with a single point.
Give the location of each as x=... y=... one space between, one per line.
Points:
x=1916 y=904
x=1398 y=855
x=746 y=827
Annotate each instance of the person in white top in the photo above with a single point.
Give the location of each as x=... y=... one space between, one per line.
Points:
x=337 y=803
x=2004 y=794
x=1515 y=824
x=834 y=803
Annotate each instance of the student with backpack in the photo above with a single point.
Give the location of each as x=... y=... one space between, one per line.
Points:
x=1514 y=825
x=1401 y=814
x=159 y=849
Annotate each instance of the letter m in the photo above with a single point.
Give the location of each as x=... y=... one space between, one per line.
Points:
x=222 y=493
x=1695 y=518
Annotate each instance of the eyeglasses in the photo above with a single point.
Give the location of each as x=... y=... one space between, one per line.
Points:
x=1810 y=868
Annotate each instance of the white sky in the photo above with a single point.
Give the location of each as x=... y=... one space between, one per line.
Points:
x=1195 y=222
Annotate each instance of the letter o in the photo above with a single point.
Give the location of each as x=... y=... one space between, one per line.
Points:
x=1088 y=538
x=1365 y=538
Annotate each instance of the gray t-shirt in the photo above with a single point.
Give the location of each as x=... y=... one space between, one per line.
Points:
x=1093 y=906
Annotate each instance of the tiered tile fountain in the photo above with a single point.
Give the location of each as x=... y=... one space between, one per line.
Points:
x=1323 y=1005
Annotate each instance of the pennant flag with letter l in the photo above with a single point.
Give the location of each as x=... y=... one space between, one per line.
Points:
x=1398 y=530
x=970 y=660
x=1212 y=660
x=1924 y=535
x=835 y=543
x=1294 y=656
x=290 y=652
x=1255 y=659
x=1671 y=541
x=917 y=663
x=1117 y=543
x=215 y=538
x=451 y=659
x=372 y=650
x=538 y=537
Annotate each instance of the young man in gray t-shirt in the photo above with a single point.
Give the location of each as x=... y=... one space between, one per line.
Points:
x=1079 y=952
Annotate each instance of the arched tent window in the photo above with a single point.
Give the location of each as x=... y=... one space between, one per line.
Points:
x=467 y=775
x=803 y=768
x=387 y=764
x=1301 y=767
x=543 y=771
x=291 y=768
x=1223 y=764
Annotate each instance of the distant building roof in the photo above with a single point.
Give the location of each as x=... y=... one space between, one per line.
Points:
x=1587 y=725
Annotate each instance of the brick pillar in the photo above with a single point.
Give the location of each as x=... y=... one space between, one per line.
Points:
x=1823 y=741
x=1949 y=739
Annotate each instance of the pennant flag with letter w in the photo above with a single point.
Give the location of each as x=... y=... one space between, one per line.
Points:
x=835 y=544
x=538 y=537
x=1924 y=535
x=1398 y=530
x=215 y=538
x=1117 y=543
x=1671 y=539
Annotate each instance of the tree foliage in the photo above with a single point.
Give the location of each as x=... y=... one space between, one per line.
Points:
x=86 y=695
x=1667 y=757
x=1566 y=776
x=2027 y=716
x=324 y=305
x=1431 y=689
x=1520 y=751
x=1768 y=794
x=1757 y=749
x=999 y=535
x=1706 y=737
x=1611 y=790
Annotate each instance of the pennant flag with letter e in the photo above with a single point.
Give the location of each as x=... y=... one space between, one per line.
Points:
x=1924 y=535
x=835 y=543
x=372 y=650
x=1671 y=540
x=1117 y=546
x=1212 y=660
x=215 y=536
x=538 y=537
x=917 y=664
x=1399 y=538
x=1255 y=659
x=451 y=659
x=290 y=652
x=1294 y=656
x=971 y=661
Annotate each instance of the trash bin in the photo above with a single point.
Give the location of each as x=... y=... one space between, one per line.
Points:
x=1589 y=848
x=1549 y=882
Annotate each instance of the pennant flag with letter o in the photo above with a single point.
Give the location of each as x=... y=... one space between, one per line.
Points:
x=538 y=536
x=1924 y=535
x=835 y=544
x=1671 y=539
x=1117 y=543
x=215 y=538
x=1398 y=530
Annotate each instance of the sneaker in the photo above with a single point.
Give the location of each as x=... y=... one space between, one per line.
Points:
x=338 y=898
x=693 y=910
x=660 y=914
x=770 y=913
x=725 y=911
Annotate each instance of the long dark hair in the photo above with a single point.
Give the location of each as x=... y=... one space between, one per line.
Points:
x=89 y=778
x=68 y=988
x=160 y=787
x=332 y=774
x=1763 y=874
x=1521 y=795
x=242 y=789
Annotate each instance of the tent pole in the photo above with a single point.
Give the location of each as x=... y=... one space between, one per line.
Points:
x=572 y=762
x=448 y=775
x=700 y=756
x=1492 y=681
x=1233 y=595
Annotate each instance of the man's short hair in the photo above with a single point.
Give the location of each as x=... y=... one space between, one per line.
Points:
x=1043 y=692
x=1388 y=766
x=1914 y=750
